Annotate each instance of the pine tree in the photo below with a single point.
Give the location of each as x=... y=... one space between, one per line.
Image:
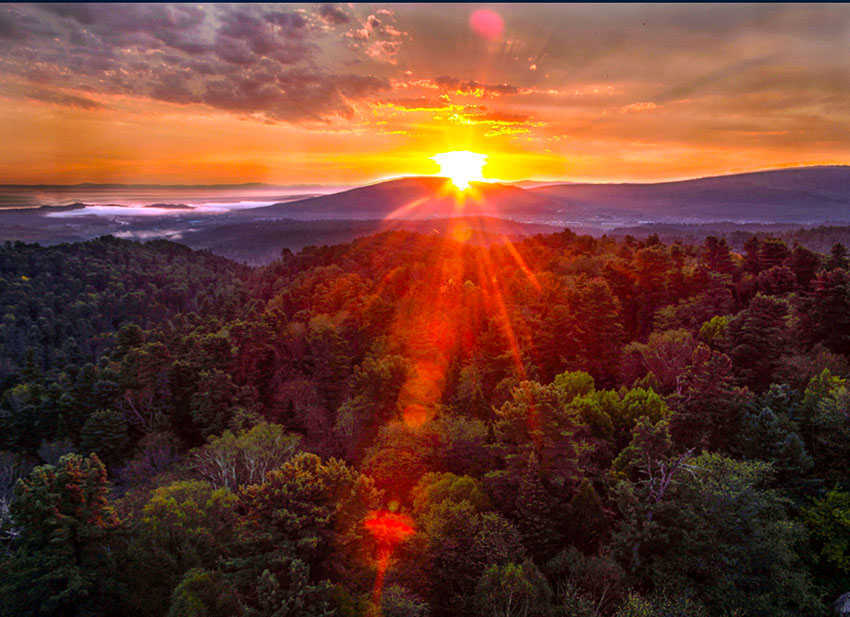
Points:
x=587 y=519
x=757 y=339
x=536 y=513
x=105 y=432
x=63 y=562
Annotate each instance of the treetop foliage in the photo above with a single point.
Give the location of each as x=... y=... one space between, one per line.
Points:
x=411 y=426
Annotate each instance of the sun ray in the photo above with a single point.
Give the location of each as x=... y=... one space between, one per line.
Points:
x=461 y=167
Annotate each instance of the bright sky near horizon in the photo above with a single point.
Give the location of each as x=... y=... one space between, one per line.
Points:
x=350 y=93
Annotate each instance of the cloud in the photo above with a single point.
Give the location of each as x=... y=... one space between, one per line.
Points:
x=731 y=72
x=247 y=59
x=7 y=27
x=334 y=15
x=420 y=103
x=473 y=87
x=716 y=74
x=498 y=122
x=638 y=107
x=378 y=36
x=60 y=98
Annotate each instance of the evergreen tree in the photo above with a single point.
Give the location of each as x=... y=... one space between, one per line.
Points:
x=64 y=559
x=105 y=432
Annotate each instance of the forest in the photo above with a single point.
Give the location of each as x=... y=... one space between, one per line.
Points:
x=410 y=425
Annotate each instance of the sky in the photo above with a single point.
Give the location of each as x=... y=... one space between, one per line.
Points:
x=353 y=93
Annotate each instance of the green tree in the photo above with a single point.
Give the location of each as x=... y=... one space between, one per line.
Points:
x=828 y=518
x=663 y=606
x=309 y=511
x=824 y=314
x=217 y=401
x=105 y=432
x=708 y=406
x=434 y=488
x=599 y=334
x=204 y=593
x=513 y=590
x=184 y=525
x=586 y=585
x=458 y=537
x=587 y=519
x=837 y=257
x=824 y=426
x=537 y=421
x=773 y=438
x=757 y=337
x=290 y=593
x=396 y=601
x=709 y=528
x=375 y=387
x=63 y=559
x=717 y=256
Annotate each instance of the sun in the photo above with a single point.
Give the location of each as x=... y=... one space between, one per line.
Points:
x=461 y=166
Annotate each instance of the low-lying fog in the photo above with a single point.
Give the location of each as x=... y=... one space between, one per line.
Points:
x=135 y=200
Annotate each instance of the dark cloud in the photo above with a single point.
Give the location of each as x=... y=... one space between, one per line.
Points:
x=173 y=87
x=251 y=59
x=16 y=25
x=50 y=95
x=566 y=65
x=293 y=24
x=469 y=87
x=235 y=51
x=334 y=15
x=82 y=13
x=70 y=100
x=117 y=18
x=7 y=28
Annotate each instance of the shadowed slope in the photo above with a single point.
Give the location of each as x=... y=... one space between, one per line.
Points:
x=414 y=198
x=800 y=194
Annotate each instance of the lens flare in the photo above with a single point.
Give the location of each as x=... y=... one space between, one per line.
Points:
x=461 y=166
x=388 y=531
x=487 y=24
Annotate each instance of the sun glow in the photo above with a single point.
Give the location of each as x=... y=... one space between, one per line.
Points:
x=461 y=167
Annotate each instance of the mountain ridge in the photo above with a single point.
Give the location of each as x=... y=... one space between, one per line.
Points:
x=800 y=194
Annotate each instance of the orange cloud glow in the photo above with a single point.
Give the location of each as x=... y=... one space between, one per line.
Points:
x=354 y=93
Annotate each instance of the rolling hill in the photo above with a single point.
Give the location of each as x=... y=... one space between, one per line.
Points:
x=801 y=195
x=421 y=197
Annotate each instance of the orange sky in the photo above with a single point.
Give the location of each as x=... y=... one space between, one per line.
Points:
x=352 y=93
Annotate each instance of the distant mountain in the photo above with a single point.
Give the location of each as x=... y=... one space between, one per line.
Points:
x=113 y=185
x=170 y=206
x=799 y=195
x=534 y=184
x=806 y=197
x=802 y=195
x=423 y=197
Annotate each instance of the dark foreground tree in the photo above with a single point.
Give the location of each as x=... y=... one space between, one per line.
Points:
x=64 y=556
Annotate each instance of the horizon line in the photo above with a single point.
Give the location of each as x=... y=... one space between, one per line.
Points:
x=382 y=179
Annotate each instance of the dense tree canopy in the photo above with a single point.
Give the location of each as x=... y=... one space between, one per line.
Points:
x=412 y=426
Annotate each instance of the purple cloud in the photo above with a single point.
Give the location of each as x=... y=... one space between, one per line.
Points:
x=243 y=59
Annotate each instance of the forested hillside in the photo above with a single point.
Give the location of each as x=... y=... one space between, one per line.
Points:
x=411 y=426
